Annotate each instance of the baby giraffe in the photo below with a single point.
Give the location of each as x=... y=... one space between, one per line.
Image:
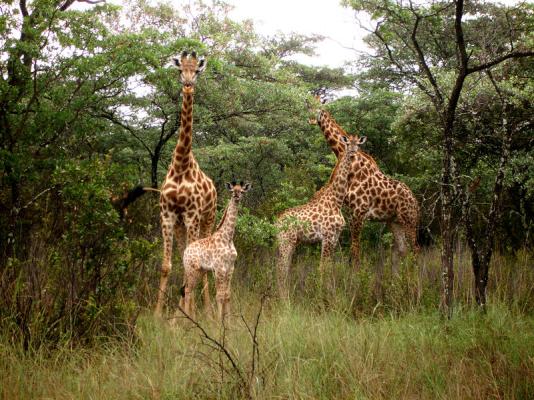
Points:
x=215 y=253
x=319 y=220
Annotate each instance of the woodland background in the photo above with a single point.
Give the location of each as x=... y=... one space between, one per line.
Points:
x=89 y=109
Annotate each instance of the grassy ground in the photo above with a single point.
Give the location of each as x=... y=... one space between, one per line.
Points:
x=322 y=345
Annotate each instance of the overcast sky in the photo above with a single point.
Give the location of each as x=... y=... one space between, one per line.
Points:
x=324 y=17
x=344 y=37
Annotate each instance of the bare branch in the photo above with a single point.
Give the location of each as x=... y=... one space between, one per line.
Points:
x=498 y=60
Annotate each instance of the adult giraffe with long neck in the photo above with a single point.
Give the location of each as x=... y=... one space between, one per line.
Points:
x=319 y=220
x=373 y=195
x=188 y=197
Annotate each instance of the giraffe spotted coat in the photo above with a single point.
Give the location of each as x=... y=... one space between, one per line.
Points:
x=319 y=220
x=214 y=253
x=188 y=198
x=373 y=195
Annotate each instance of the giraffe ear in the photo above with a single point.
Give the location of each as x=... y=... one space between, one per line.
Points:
x=201 y=65
x=247 y=187
x=362 y=140
x=229 y=186
x=344 y=139
x=178 y=63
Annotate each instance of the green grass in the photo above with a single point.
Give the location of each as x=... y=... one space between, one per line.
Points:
x=366 y=338
x=303 y=354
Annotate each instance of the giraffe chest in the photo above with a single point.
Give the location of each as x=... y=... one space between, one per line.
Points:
x=183 y=195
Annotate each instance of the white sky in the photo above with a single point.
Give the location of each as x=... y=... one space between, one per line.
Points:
x=324 y=17
x=343 y=36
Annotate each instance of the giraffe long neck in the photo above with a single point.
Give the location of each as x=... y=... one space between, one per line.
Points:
x=227 y=226
x=182 y=152
x=332 y=133
x=339 y=181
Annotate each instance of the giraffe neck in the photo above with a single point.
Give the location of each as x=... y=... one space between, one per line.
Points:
x=332 y=133
x=339 y=183
x=226 y=227
x=182 y=152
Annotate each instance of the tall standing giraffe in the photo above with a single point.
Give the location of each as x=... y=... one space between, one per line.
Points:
x=373 y=195
x=319 y=220
x=215 y=253
x=188 y=197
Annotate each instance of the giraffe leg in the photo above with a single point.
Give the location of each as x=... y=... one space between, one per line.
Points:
x=180 y=233
x=193 y=274
x=286 y=248
x=411 y=234
x=167 y=225
x=328 y=247
x=193 y=225
x=223 y=279
x=356 y=223
x=206 y=228
x=399 y=244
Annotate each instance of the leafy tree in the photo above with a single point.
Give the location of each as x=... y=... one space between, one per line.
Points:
x=434 y=49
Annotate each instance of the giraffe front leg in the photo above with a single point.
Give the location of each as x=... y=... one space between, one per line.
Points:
x=328 y=247
x=192 y=276
x=399 y=245
x=286 y=248
x=356 y=223
x=193 y=225
x=167 y=225
x=223 y=280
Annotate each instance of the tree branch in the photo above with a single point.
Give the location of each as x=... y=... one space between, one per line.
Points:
x=515 y=54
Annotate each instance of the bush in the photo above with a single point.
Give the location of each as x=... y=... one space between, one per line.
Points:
x=79 y=278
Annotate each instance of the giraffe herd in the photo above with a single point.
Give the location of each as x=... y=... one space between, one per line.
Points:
x=188 y=203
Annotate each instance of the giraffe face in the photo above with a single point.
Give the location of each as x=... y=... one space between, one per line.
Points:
x=190 y=67
x=314 y=110
x=238 y=189
x=353 y=143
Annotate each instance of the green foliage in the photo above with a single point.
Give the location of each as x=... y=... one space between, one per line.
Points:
x=89 y=108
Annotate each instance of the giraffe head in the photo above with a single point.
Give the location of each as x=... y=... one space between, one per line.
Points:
x=190 y=67
x=353 y=143
x=238 y=189
x=314 y=109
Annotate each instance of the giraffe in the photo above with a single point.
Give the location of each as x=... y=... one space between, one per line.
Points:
x=188 y=198
x=215 y=253
x=319 y=220
x=373 y=195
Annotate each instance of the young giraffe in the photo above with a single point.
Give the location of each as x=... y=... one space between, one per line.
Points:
x=373 y=195
x=319 y=220
x=188 y=197
x=215 y=253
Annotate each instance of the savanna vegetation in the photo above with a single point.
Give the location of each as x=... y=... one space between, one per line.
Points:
x=89 y=112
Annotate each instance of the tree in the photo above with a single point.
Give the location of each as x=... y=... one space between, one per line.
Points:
x=433 y=49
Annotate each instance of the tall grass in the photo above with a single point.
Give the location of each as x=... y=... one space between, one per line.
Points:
x=362 y=338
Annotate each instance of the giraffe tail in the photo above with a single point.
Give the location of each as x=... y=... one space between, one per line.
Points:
x=182 y=291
